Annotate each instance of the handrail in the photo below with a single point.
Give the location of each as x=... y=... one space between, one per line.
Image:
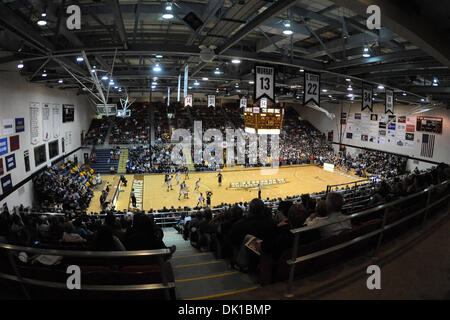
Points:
x=159 y=253
x=371 y=210
x=297 y=259
x=76 y=253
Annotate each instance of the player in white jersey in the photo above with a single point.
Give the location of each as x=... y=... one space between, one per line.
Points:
x=200 y=199
x=177 y=177
x=169 y=183
x=197 y=184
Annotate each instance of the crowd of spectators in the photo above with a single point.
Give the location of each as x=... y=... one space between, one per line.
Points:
x=65 y=187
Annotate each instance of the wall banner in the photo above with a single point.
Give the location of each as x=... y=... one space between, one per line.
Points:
x=20 y=125
x=3 y=146
x=35 y=122
x=6 y=183
x=8 y=126
x=10 y=162
x=56 y=115
x=14 y=143
x=45 y=122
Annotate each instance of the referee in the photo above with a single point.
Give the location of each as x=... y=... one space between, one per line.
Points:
x=259 y=190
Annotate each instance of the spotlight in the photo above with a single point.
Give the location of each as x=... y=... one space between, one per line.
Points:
x=157 y=68
x=60 y=81
x=196 y=83
x=159 y=56
x=404 y=93
x=205 y=79
x=217 y=71
x=301 y=70
x=251 y=82
x=348 y=79
x=350 y=88
x=104 y=78
x=41 y=22
x=381 y=87
x=44 y=74
x=80 y=59
x=236 y=61
x=287 y=28
x=168 y=14
x=324 y=90
x=20 y=65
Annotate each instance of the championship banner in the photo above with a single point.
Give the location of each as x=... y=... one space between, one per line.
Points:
x=389 y=106
x=186 y=78
x=312 y=88
x=10 y=162
x=56 y=117
x=45 y=121
x=14 y=143
x=243 y=103
x=264 y=83
x=20 y=125
x=8 y=126
x=212 y=101
x=367 y=94
x=188 y=101
x=263 y=103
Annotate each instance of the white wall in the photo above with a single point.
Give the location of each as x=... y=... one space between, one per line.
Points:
x=16 y=93
x=324 y=124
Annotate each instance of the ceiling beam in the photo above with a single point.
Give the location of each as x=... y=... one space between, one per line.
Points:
x=118 y=19
x=407 y=24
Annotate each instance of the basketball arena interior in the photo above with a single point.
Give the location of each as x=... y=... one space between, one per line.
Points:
x=224 y=150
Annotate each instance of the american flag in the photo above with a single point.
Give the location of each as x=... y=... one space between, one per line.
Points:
x=427 y=145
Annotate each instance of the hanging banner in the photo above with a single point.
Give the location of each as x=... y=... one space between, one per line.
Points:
x=8 y=126
x=312 y=88
x=188 y=101
x=168 y=96
x=264 y=83
x=1 y=167
x=389 y=106
x=35 y=122
x=243 y=103
x=69 y=113
x=186 y=78
x=45 y=121
x=56 y=120
x=26 y=159
x=263 y=103
x=211 y=101
x=20 y=125
x=179 y=88
x=367 y=95
x=68 y=138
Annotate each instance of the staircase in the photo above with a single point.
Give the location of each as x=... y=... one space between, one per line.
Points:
x=102 y=162
x=189 y=162
x=122 y=168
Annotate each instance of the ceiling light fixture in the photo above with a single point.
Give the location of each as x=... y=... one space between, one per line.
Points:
x=287 y=28
x=168 y=13
x=60 y=81
x=381 y=87
x=236 y=61
x=44 y=74
x=20 y=65
x=157 y=67
x=79 y=59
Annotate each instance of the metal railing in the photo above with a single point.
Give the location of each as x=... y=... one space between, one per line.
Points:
x=295 y=259
x=160 y=254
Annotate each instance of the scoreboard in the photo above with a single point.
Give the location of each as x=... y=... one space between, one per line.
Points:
x=263 y=120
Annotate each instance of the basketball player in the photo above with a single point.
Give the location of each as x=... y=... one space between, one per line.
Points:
x=166 y=177
x=208 y=198
x=183 y=191
x=177 y=177
x=169 y=183
x=219 y=177
x=200 y=199
x=197 y=184
x=186 y=173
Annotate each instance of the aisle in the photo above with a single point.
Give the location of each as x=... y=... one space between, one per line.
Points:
x=199 y=275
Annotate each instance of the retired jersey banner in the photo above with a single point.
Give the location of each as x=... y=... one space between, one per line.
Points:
x=312 y=88
x=56 y=120
x=3 y=146
x=186 y=79
x=14 y=143
x=188 y=101
x=211 y=101
x=45 y=121
x=367 y=95
x=20 y=125
x=389 y=106
x=10 y=162
x=264 y=83
x=243 y=102
x=8 y=126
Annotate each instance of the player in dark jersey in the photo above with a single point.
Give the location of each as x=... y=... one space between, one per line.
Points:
x=219 y=178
